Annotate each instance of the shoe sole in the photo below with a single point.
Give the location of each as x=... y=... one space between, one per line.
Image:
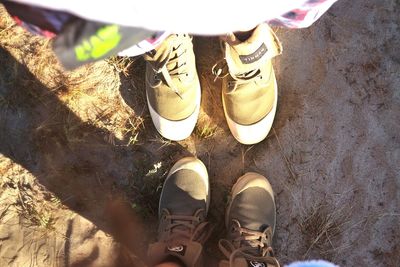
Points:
x=250 y=179
x=175 y=130
x=254 y=133
x=194 y=164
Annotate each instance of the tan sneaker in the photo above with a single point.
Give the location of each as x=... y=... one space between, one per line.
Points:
x=173 y=87
x=250 y=221
x=249 y=90
x=183 y=207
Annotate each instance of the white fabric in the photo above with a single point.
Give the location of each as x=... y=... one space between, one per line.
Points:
x=208 y=17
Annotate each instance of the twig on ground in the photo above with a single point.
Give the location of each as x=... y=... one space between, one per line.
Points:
x=287 y=162
x=244 y=156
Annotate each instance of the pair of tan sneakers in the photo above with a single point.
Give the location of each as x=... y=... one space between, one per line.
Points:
x=249 y=90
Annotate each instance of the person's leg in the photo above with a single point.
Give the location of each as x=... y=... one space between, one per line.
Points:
x=169 y=264
x=183 y=208
x=171 y=261
x=249 y=89
x=250 y=221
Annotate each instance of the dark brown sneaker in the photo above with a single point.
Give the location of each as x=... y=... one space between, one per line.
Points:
x=250 y=221
x=183 y=210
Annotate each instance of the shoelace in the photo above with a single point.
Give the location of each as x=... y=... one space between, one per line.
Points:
x=221 y=70
x=173 y=66
x=246 y=244
x=188 y=227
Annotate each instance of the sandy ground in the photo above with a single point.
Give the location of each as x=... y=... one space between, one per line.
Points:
x=82 y=166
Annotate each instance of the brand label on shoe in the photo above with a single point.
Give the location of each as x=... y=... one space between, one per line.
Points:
x=177 y=249
x=248 y=59
x=256 y=264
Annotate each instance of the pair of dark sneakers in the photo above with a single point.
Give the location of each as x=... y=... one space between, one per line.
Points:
x=183 y=229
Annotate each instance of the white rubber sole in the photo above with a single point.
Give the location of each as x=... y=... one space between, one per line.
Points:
x=196 y=165
x=248 y=180
x=175 y=130
x=255 y=133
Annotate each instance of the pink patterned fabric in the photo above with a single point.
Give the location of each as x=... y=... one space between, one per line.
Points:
x=304 y=15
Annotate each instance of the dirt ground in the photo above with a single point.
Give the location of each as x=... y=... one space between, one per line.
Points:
x=82 y=166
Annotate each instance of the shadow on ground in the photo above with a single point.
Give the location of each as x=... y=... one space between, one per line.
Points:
x=72 y=159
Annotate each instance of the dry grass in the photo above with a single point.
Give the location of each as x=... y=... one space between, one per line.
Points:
x=205 y=129
x=21 y=195
x=121 y=64
x=159 y=140
x=145 y=192
x=37 y=214
x=322 y=227
x=132 y=129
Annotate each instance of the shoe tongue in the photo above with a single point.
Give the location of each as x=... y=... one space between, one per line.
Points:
x=189 y=252
x=159 y=56
x=251 y=54
x=177 y=230
x=252 y=263
x=242 y=262
x=255 y=250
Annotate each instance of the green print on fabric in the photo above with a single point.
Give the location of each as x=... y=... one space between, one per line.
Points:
x=98 y=45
